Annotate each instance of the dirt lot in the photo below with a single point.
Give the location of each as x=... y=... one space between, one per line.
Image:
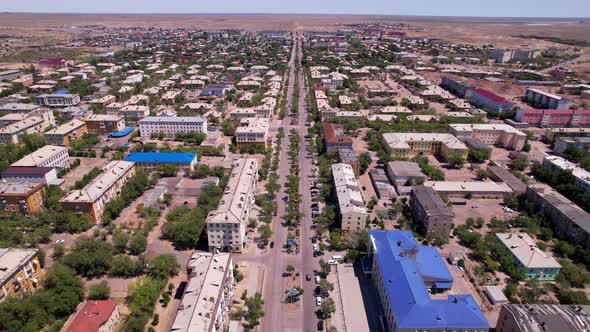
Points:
x=86 y=165
x=487 y=209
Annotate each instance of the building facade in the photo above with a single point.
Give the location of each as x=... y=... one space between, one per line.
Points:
x=91 y=200
x=536 y=263
x=226 y=226
x=351 y=206
x=542 y=99
x=457 y=87
x=21 y=273
x=171 y=125
x=411 y=144
x=554 y=117
x=66 y=133
x=492 y=134
x=58 y=100
x=252 y=131
x=429 y=209
x=102 y=124
x=47 y=175
x=21 y=197
x=488 y=99
x=186 y=160
x=47 y=156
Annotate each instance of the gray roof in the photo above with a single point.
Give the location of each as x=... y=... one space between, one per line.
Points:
x=564 y=206
x=549 y=317
x=430 y=201
x=405 y=169
x=505 y=176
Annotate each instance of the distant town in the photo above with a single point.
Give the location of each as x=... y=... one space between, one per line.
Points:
x=360 y=178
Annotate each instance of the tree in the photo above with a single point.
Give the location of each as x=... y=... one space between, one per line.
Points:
x=58 y=252
x=328 y=307
x=324 y=268
x=138 y=243
x=120 y=240
x=100 y=291
x=455 y=160
x=518 y=164
x=265 y=232
x=163 y=266
x=477 y=155
x=326 y=287
x=568 y=296
x=90 y=257
x=364 y=162
x=290 y=269
x=125 y=266
x=482 y=174
x=168 y=170
x=255 y=312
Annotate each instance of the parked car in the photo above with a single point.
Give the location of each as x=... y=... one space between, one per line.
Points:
x=318 y=301
x=308 y=277
x=332 y=262
x=59 y=241
x=320 y=325
x=317 y=279
x=272 y=244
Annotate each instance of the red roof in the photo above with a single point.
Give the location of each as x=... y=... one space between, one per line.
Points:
x=91 y=316
x=334 y=133
x=492 y=96
x=52 y=62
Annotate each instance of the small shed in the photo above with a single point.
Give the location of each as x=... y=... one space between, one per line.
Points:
x=496 y=295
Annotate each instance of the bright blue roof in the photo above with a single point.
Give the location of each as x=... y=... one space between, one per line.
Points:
x=121 y=133
x=404 y=265
x=161 y=157
x=62 y=92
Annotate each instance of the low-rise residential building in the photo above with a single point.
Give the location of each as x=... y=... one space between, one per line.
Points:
x=21 y=196
x=348 y=156
x=94 y=316
x=501 y=174
x=335 y=138
x=18 y=108
x=536 y=263
x=553 y=117
x=91 y=199
x=266 y=110
x=242 y=113
x=488 y=99
x=104 y=100
x=47 y=156
x=410 y=144
x=562 y=143
x=226 y=226
x=559 y=164
x=66 y=133
x=252 y=131
x=403 y=173
x=543 y=317
x=11 y=118
x=553 y=133
x=207 y=297
x=103 y=124
x=543 y=99
x=171 y=125
x=58 y=100
x=404 y=274
x=492 y=134
x=21 y=272
x=567 y=219
x=134 y=112
x=351 y=206
x=186 y=160
x=46 y=175
x=429 y=209
x=473 y=188
x=457 y=86
x=30 y=125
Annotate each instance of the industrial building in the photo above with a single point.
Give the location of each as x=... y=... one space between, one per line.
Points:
x=351 y=206
x=208 y=294
x=543 y=317
x=91 y=199
x=185 y=160
x=492 y=134
x=404 y=273
x=171 y=125
x=226 y=226
x=406 y=145
x=431 y=211
x=536 y=263
x=543 y=99
x=21 y=272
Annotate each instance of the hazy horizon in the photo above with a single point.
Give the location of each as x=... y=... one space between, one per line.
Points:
x=572 y=9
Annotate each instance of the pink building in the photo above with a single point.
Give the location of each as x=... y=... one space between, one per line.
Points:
x=554 y=118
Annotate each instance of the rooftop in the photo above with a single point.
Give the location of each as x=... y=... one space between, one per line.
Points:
x=66 y=127
x=40 y=156
x=549 y=317
x=11 y=259
x=161 y=157
x=487 y=126
x=400 y=140
x=431 y=201
x=475 y=186
x=334 y=133
x=90 y=316
x=525 y=249
x=492 y=96
x=405 y=169
x=175 y=119
x=348 y=191
x=104 y=117
x=101 y=184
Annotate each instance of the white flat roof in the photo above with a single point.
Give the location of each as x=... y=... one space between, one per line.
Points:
x=525 y=249
x=400 y=140
x=99 y=185
x=38 y=157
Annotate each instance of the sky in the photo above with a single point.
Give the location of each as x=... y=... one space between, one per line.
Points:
x=489 y=8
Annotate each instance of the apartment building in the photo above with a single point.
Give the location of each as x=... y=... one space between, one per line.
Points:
x=103 y=101
x=252 y=131
x=491 y=134
x=226 y=226
x=543 y=99
x=266 y=110
x=543 y=317
x=21 y=272
x=46 y=175
x=133 y=112
x=58 y=100
x=410 y=144
x=68 y=132
x=334 y=137
x=554 y=133
x=534 y=261
x=456 y=86
x=33 y=123
x=404 y=274
x=402 y=173
x=242 y=113
x=94 y=316
x=501 y=174
x=207 y=297
x=18 y=108
x=171 y=125
x=567 y=219
x=11 y=118
x=21 y=197
x=562 y=143
x=92 y=199
x=429 y=209
x=488 y=99
x=47 y=156
x=351 y=206
x=505 y=55
x=102 y=124
x=559 y=164
x=553 y=117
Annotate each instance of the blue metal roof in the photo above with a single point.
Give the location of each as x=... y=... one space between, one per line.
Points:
x=404 y=266
x=121 y=133
x=161 y=157
x=62 y=92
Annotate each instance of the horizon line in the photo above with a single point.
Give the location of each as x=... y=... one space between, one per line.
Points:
x=302 y=13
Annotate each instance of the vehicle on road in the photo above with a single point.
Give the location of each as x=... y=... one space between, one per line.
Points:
x=59 y=241
x=332 y=262
x=337 y=258
x=320 y=325
x=315 y=247
x=308 y=277
x=317 y=279
x=318 y=301
x=272 y=244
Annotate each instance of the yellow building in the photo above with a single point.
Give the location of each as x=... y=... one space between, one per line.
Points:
x=23 y=197
x=68 y=132
x=406 y=145
x=20 y=272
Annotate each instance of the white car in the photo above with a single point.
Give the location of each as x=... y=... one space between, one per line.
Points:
x=318 y=301
x=59 y=241
x=317 y=279
x=332 y=262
